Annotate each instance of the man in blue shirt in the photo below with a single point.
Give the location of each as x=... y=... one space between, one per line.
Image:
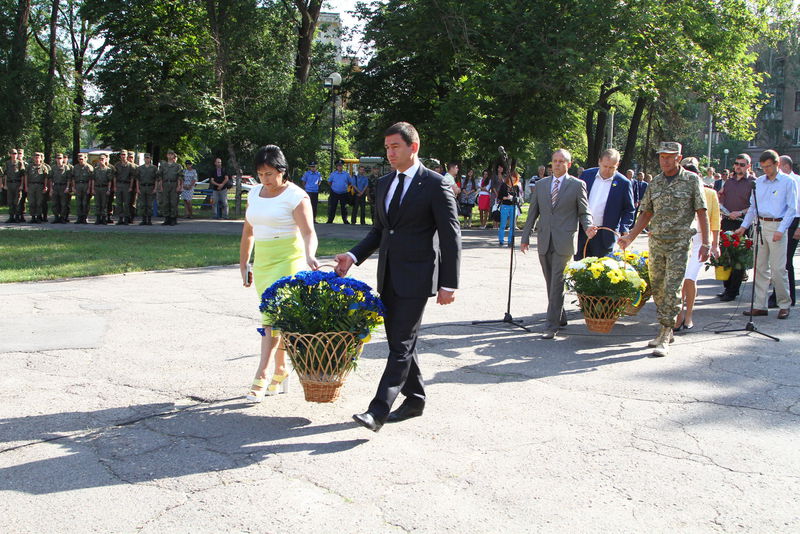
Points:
x=311 y=180
x=339 y=180
x=776 y=194
x=360 y=184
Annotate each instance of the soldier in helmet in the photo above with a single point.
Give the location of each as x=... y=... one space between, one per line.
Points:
x=145 y=180
x=81 y=185
x=35 y=183
x=170 y=183
x=103 y=180
x=59 y=186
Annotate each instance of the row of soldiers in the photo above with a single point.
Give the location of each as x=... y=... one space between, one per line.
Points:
x=126 y=181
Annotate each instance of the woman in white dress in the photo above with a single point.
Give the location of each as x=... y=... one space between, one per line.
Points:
x=279 y=225
x=189 y=179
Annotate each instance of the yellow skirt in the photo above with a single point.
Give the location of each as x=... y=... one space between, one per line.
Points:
x=275 y=259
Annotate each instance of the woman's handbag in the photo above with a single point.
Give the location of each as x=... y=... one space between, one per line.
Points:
x=496 y=211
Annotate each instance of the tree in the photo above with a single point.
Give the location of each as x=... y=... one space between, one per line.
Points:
x=309 y=18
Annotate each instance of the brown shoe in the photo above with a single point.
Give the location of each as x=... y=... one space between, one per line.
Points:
x=783 y=314
x=755 y=312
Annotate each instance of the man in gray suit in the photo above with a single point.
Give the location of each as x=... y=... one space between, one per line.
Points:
x=559 y=202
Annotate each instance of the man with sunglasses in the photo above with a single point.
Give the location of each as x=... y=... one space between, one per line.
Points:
x=734 y=199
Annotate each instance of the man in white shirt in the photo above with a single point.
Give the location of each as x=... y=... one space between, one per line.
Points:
x=610 y=203
x=793 y=234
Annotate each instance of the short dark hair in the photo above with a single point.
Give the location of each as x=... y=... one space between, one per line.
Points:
x=452 y=164
x=273 y=156
x=768 y=155
x=743 y=156
x=406 y=131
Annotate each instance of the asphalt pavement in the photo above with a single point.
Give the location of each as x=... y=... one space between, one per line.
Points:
x=122 y=410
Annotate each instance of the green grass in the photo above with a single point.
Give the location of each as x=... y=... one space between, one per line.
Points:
x=37 y=255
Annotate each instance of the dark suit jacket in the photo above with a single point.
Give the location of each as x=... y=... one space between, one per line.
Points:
x=422 y=250
x=619 y=210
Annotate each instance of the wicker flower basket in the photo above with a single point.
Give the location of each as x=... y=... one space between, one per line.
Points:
x=633 y=309
x=601 y=313
x=322 y=361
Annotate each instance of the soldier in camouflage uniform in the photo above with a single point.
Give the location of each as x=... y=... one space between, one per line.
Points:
x=35 y=183
x=123 y=187
x=669 y=205
x=81 y=184
x=170 y=183
x=14 y=172
x=145 y=186
x=58 y=186
x=132 y=204
x=103 y=180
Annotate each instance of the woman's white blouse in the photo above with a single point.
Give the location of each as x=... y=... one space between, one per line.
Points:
x=272 y=217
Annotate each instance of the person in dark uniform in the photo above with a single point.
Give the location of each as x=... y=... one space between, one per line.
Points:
x=103 y=180
x=81 y=185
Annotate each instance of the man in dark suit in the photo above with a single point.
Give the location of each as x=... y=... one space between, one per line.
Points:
x=610 y=202
x=417 y=234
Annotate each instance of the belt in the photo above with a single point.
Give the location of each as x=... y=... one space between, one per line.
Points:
x=771 y=219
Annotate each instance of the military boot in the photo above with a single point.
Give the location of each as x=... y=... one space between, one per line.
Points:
x=144 y=222
x=166 y=221
x=663 y=332
x=665 y=338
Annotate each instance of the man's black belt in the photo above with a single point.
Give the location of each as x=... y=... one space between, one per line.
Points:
x=771 y=219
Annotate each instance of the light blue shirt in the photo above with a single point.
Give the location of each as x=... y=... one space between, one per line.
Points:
x=776 y=199
x=311 y=180
x=339 y=181
x=360 y=182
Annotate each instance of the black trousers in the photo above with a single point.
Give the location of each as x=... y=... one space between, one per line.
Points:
x=338 y=198
x=359 y=203
x=402 y=373
x=734 y=283
x=595 y=247
x=314 y=197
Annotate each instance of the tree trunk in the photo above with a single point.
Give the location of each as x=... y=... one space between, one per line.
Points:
x=79 y=101
x=47 y=121
x=599 y=136
x=309 y=18
x=16 y=64
x=633 y=133
x=589 y=130
x=646 y=156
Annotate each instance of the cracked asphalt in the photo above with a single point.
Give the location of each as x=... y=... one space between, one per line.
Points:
x=122 y=410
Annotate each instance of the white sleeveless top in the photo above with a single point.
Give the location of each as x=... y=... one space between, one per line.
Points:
x=272 y=217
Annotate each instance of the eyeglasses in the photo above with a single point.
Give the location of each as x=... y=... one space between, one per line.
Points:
x=740 y=163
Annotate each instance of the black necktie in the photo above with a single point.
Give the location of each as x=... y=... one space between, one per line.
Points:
x=394 y=205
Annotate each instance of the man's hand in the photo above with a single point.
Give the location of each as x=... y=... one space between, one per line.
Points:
x=624 y=241
x=715 y=251
x=796 y=233
x=703 y=254
x=739 y=231
x=777 y=236
x=445 y=297
x=523 y=247
x=591 y=231
x=343 y=264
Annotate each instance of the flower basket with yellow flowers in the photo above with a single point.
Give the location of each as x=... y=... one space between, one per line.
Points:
x=605 y=286
x=639 y=261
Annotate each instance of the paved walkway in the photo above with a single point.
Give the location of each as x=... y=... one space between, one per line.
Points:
x=121 y=411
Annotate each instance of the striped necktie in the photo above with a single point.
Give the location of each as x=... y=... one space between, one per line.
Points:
x=554 y=192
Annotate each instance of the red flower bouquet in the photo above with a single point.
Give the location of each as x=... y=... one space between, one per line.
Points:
x=735 y=252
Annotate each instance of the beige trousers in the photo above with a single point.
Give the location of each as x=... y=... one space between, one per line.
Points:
x=771 y=266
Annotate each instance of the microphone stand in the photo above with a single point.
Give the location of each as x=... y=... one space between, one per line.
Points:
x=507 y=317
x=751 y=326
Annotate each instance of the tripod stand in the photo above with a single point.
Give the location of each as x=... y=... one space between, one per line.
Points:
x=751 y=326
x=507 y=318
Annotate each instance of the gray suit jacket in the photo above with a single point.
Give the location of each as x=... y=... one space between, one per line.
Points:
x=558 y=224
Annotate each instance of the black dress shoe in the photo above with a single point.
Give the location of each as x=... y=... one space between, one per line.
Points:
x=404 y=412
x=367 y=420
x=727 y=298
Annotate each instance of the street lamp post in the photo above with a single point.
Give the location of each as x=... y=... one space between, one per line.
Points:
x=333 y=81
x=725 y=165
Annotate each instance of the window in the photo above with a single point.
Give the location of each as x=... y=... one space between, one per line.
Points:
x=778 y=99
x=796 y=137
x=797 y=100
x=752 y=143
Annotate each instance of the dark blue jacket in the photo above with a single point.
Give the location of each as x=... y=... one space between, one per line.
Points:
x=619 y=207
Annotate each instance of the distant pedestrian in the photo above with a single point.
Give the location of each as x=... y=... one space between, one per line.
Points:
x=219 y=182
x=484 y=199
x=339 y=181
x=35 y=184
x=360 y=184
x=145 y=189
x=187 y=194
x=104 y=176
x=468 y=197
x=311 y=179
x=170 y=178
x=508 y=194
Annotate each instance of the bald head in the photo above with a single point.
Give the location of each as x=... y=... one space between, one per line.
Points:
x=786 y=164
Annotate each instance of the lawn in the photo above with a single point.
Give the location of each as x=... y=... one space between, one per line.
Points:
x=37 y=255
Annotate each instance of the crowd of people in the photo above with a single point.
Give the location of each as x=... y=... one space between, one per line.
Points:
x=122 y=190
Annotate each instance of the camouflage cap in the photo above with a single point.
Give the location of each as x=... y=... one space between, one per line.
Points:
x=669 y=147
x=148 y=155
x=40 y=154
x=685 y=162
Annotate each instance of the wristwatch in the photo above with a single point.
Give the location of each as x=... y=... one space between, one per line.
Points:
x=705 y=245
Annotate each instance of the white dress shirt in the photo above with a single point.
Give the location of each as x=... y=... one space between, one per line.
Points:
x=598 y=198
x=410 y=173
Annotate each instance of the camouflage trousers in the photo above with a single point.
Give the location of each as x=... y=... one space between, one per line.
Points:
x=124 y=200
x=35 y=198
x=82 y=194
x=145 y=200
x=168 y=203
x=100 y=201
x=60 y=200
x=667 y=266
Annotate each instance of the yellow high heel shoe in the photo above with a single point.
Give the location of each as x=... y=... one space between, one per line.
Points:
x=281 y=382
x=256 y=395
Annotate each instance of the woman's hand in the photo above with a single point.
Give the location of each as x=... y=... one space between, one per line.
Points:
x=247 y=275
x=312 y=263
